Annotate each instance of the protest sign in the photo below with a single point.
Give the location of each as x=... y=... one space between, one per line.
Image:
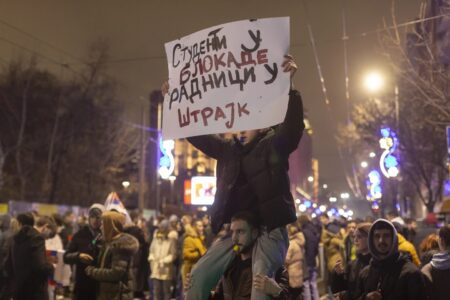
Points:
x=227 y=78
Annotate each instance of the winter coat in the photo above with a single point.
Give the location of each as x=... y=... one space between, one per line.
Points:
x=437 y=276
x=113 y=269
x=295 y=260
x=333 y=245
x=139 y=268
x=349 y=281
x=407 y=247
x=349 y=250
x=312 y=240
x=28 y=266
x=161 y=257
x=242 y=291
x=84 y=241
x=193 y=249
x=393 y=274
x=263 y=163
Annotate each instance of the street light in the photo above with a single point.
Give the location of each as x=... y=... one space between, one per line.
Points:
x=345 y=195
x=364 y=164
x=374 y=81
x=310 y=178
x=125 y=184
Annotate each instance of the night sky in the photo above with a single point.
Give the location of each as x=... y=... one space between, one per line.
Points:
x=137 y=30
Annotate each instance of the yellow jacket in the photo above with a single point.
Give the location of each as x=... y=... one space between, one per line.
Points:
x=193 y=249
x=405 y=246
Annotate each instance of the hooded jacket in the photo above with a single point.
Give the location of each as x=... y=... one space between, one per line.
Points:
x=295 y=260
x=256 y=172
x=406 y=247
x=193 y=249
x=392 y=275
x=162 y=256
x=28 y=266
x=312 y=240
x=84 y=241
x=113 y=271
x=437 y=274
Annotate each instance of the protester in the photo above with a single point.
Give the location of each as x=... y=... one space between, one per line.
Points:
x=238 y=280
x=295 y=260
x=312 y=239
x=209 y=235
x=27 y=264
x=161 y=257
x=193 y=247
x=333 y=245
x=173 y=227
x=428 y=247
x=113 y=267
x=83 y=250
x=140 y=269
x=60 y=230
x=252 y=175
x=349 y=276
x=437 y=272
x=389 y=275
x=405 y=246
x=349 y=247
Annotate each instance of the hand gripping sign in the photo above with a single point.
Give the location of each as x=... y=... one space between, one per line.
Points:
x=227 y=78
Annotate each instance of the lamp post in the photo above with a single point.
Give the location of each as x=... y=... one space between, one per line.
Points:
x=374 y=83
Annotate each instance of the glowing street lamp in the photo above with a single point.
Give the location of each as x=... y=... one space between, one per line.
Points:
x=364 y=164
x=125 y=184
x=310 y=178
x=373 y=81
x=345 y=195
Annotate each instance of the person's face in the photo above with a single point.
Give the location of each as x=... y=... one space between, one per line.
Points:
x=95 y=222
x=360 y=241
x=246 y=136
x=351 y=227
x=199 y=227
x=382 y=240
x=324 y=220
x=242 y=235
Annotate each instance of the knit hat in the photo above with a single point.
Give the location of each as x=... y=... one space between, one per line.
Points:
x=112 y=224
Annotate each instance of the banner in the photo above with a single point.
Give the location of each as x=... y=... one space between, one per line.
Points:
x=227 y=78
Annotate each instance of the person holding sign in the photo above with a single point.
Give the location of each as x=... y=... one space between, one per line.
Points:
x=252 y=175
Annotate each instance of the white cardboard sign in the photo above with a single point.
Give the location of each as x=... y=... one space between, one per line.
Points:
x=227 y=78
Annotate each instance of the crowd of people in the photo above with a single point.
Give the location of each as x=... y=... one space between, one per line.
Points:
x=153 y=259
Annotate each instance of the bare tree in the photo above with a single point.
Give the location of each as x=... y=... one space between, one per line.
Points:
x=423 y=77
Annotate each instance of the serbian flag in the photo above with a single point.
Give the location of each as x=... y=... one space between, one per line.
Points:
x=113 y=203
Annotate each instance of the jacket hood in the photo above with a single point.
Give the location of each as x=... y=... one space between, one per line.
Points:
x=441 y=261
x=393 y=251
x=112 y=224
x=125 y=244
x=190 y=231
